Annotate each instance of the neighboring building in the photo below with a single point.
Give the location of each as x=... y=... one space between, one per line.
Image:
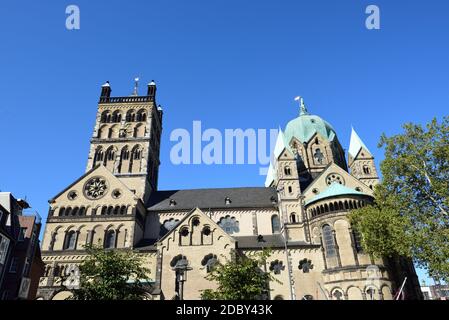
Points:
x=6 y=242
x=308 y=194
x=23 y=250
x=435 y=292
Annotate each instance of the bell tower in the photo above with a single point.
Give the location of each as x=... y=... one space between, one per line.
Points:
x=126 y=138
x=361 y=162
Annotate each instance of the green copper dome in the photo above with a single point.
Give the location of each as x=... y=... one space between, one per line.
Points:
x=306 y=125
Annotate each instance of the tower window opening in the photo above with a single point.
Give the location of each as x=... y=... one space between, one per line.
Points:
x=318 y=156
x=366 y=169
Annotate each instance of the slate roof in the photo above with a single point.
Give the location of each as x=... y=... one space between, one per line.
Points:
x=146 y=245
x=250 y=197
x=269 y=241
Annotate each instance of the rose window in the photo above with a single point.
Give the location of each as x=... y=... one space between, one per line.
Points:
x=95 y=188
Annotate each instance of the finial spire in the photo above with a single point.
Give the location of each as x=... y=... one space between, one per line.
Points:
x=136 y=84
x=302 y=106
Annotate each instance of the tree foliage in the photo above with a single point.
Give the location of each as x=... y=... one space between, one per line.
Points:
x=410 y=216
x=240 y=278
x=111 y=275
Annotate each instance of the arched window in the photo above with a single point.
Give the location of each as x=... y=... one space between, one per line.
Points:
x=275 y=224
x=370 y=293
x=131 y=116
x=124 y=157
x=168 y=225
x=366 y=169
x=141 y=115
x=110 y=210
x=137 y=153
x=125 y=153
x=357 y=240
x=104 y=210
x=229 y=224
x=109 y=158
x=287 y=171
x=123 y=210
x=116 y=116
x=293 y=217
x=209 y=261
x=109 y=241
x=68 y=211
x=61 y=211
x=290 y=190
x=338 y=295
x=105 y=117
x=82 y=211
x=70 y=240
x=318 y=156
x=98 y=155
x=329 y=243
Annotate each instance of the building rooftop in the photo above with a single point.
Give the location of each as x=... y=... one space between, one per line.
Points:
x=250 y=197
x=335 y=189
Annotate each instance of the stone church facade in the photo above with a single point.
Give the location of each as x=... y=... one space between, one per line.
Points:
x=300 y=213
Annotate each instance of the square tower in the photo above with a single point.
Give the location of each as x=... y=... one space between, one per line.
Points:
x=126 y=138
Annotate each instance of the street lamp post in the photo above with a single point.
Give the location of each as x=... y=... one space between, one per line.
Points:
x=181 y=269
x=287 y=255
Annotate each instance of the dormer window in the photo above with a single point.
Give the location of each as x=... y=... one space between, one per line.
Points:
x=318 y=156
x=172 y=203
x=228 y=201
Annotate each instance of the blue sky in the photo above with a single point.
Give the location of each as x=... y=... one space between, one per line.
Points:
x=230 y=64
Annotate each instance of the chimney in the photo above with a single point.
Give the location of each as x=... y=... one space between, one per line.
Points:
x=152 y=90
x=105 y=91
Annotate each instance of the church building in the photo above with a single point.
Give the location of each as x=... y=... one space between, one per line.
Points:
x=300 y=213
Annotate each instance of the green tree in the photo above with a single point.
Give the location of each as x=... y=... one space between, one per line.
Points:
x=240 y=278
x=111 y=275
x=410 y=215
